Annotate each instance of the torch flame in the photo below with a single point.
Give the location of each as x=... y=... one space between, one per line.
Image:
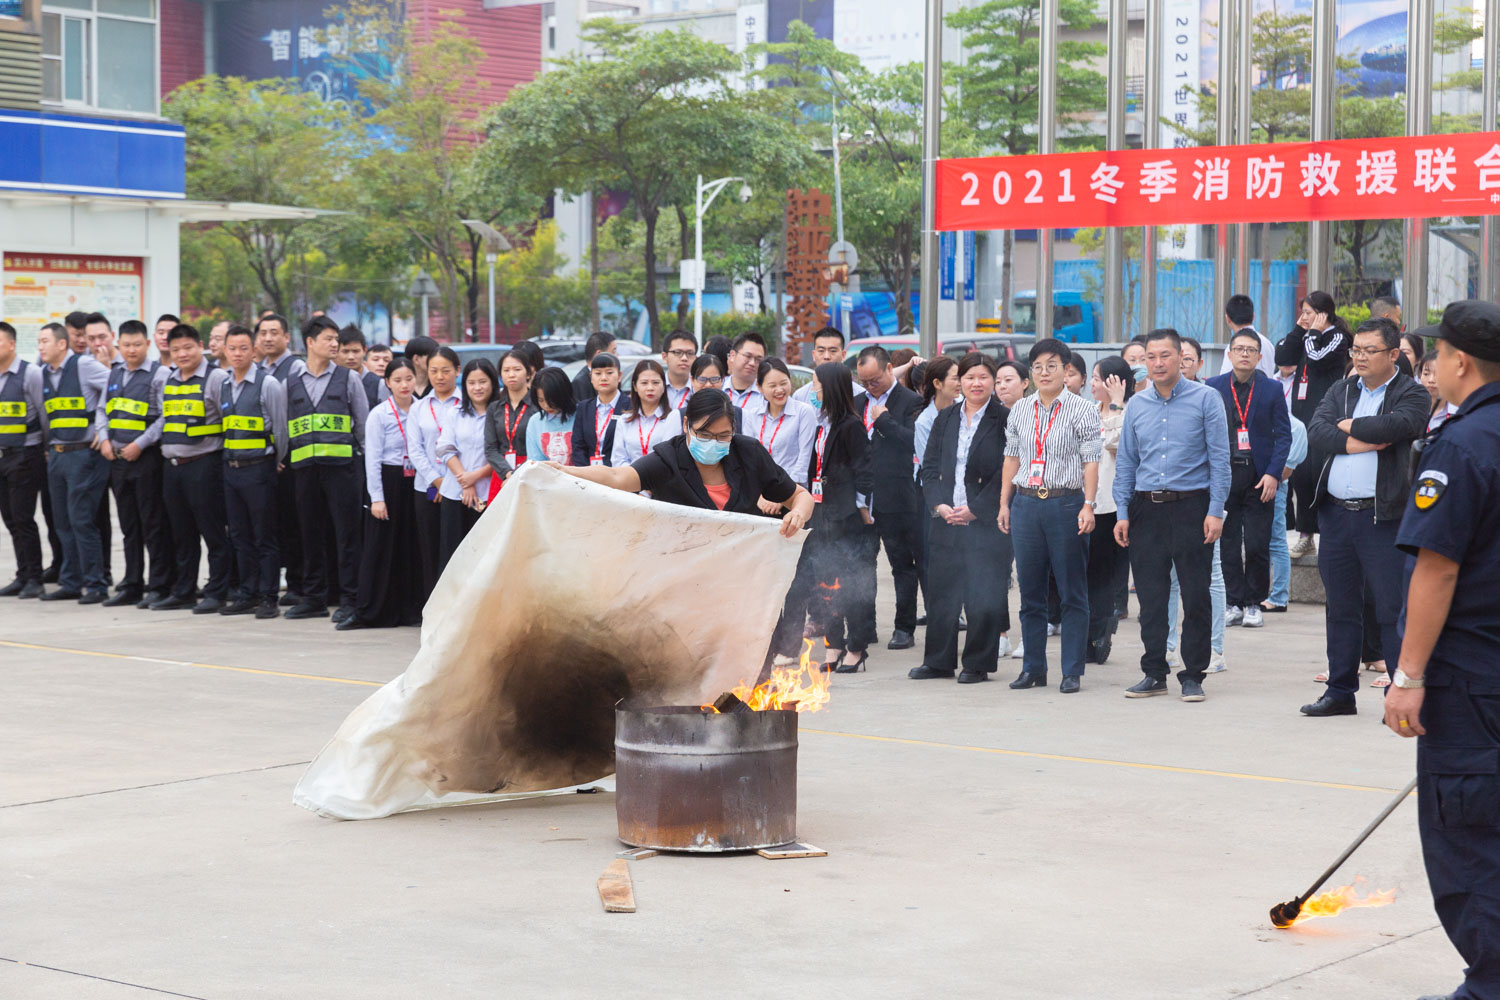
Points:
x=1334 y=902
x=803 y=688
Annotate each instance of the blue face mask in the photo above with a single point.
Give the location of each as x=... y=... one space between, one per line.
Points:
x=1139 y=371
x=707 y=452
x=816 y=400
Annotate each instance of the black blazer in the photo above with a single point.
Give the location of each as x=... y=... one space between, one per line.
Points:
x=892 y=447
x=983 y=477
x=671 y=475
x=846 y=472
x=584 y=429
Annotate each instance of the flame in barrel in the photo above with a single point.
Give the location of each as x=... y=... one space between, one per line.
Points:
x=801 y=688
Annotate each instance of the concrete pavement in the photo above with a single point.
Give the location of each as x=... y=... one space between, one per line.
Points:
x=982 y=842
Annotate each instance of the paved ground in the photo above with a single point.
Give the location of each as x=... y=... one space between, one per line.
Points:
x=982 y=842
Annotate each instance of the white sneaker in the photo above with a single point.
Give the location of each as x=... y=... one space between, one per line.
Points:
x=1018 y=651
x=1054 y=629
x=1233 y=616
x=1303 y=546
x=1216 y=664
x=1004 y=645
x=1173 y=660
x=1253 y=617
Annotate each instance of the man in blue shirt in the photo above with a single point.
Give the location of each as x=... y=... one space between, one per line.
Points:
x=1444 y=690
x=1171 y=482
x=1365 y=424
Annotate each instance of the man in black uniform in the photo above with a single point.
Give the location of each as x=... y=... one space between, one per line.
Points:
x=273 y=341
x=1447 y=688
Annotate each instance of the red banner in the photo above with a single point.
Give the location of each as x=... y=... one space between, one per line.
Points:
x=1408 y=177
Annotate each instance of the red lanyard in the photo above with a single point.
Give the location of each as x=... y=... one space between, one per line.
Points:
x=511 y=428
x=744 y=397
x=818 y=445
x=432 y=409
x=599 y=427
x=400 y=426
x=1041 y=435
x=760 y=435
x=869 y=424
x=646 y=437
x=1245 y=413
x=687 y=393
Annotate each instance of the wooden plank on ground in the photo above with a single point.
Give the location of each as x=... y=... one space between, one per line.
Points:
x=616 y=889
x=793 y=850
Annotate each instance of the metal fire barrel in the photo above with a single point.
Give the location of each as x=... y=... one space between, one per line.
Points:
x=689 y=780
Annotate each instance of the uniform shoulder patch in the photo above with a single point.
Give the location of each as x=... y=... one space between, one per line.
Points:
x=1431 y=484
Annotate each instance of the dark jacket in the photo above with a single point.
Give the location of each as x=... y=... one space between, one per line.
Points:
x=1402 y=420
x=846 y=472
x=498 y=419
x=892 y=447
x=585 y=427
x=583 y=385
x=1327 y=362
x=1270 y=427
x=983 y=479
x=671 y=475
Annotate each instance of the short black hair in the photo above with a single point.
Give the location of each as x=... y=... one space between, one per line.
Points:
x=396 y=365
x=315 y=326
x=1140 y=338
x=1386 y=303
x=706 y=406
x=54 y=330
x=272 y=317
x=1075 y=361
x=97 y=317
x=1249 y=335
x=829 y=331
x=445 y=352
x=1390 y=334
x=749 y=337
x=771 y=365
x=597 y=342
x=1019 y=367
x=553 y=386
x=484 y=367
x=184 y=331
x=1197 y=347
x=424 y=347
x=676 y=335
x=1239 y=310
x=531 y=354
x=979 y=359
x=604 y=359
x=238 y=330
x=381 y=349
x=134 y=326
x=521 y=358
x=77 y=320
x=352 y=334
x=718 y=345
x=1052 y=346
x=877 y=352
x=167 y=318
x=8 y=330
x=1165 y=333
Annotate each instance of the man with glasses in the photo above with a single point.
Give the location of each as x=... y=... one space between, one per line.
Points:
x=742 y=385
x=677 y=354
x=1365 y=425
x=1260 y=437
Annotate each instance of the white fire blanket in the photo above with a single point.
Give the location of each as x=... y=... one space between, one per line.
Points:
x=565 y=598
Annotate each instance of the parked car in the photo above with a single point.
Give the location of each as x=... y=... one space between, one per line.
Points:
x=1073 y=318
x=561 y=350
x=800 y=375
x=1000 y=346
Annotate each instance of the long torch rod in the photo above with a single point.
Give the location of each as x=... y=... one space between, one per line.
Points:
x=1282 y=914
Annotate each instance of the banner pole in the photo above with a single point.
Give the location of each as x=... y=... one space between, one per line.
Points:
x=1150 y=129
x=1046 y=143
x=1115 y=320
x=1244 y=91
x=1224 y=127
x=932 y=122
x=1324 y=27
x=1489 y=225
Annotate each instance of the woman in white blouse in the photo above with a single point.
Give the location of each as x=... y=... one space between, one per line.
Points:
x=651 y=419
x=1112 y=384
x=785 y=428
x=430 y=415
x=388 y=585
x=460 y=449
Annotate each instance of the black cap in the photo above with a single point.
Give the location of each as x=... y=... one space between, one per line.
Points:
x=1472 y=326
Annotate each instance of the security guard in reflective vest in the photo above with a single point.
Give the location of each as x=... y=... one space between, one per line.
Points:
x=254 y=408
x=23 y=468
x=73 y=388
x=130 y=443
x=326 y=412
x=1446 y=690
x=273 y=342
x=192 y=435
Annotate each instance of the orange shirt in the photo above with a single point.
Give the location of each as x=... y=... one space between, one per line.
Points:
x=718 y=494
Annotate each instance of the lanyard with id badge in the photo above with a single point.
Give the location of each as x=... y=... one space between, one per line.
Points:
x=1242 y=437
x=407 y=469
x=1039 y=463
x=820 y=442
x=599 y=429
x=510 y=432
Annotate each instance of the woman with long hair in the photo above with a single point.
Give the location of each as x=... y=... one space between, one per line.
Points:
x=505 y=426
x=651 y=419
x=1112 y=385
x=1318 y=348
x=430 y=414
x=389 y=584
x=549 y=436
x=460 y=449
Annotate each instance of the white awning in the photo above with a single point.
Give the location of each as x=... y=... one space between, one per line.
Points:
x=185 y=210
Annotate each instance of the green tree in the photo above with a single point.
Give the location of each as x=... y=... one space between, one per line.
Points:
x=1000 y=86
x=265 y=142
x=532 y=290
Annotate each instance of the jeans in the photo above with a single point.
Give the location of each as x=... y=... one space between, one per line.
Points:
x=1216 y=592
x=77 y=479
x=1046 y=540
x=1281 y=556
x=1356 y=552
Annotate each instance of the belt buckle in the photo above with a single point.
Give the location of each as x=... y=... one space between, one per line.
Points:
x=1041 y=492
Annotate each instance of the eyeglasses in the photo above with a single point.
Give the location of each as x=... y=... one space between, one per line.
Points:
x=1244 y=352
x=1361 y=352
x=724 y=438
x=683 y=355
x=708 y=380
x=1052 y=369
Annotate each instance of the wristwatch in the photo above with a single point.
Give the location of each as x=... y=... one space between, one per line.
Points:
x=1402 y=680
x=1093 y=504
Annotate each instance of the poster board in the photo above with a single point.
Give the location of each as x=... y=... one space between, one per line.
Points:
x=41 y=288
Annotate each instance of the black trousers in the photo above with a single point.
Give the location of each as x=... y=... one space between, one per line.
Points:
x=1305 y=488
x=250 y=501
x=839 y=582
x=138 y=501
x=23 y=476
x=1247 y=527
x=106 y=539
x=328 y=504
x=288 y=531
x=964 y=561
x=388 y=577
x=901 y=533
x=1458 y=817
x=1357 y=553
x=454 y=521
x=426 y=518
x=54 y=539
x=193 y=497
x=1104 y=556
x=1164 y=536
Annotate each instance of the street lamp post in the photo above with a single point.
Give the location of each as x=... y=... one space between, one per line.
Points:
x=700 y=205
x=494 y=244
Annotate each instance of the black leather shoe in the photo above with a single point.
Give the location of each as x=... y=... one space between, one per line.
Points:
x=1027 y=679
x=1329 y=705
x=926 y=673
x=856 y=666
x=307 y=611
x=94 y=597
x=61 y=595
x=342 y=615
x=243 y=606
x=1192 y=690
x=123 y=598
x=267 y=609
x=1147 y=687
x=31 y=590
x=149 y=598
x=171 y=603
x=291 y=599
x=49 y=575
x=350 y=623
x=970 y=677
x=1071 y=685
x=13 y=589
x=208 y=606
x=901 y=640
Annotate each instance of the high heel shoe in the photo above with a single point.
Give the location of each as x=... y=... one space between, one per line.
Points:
x=855 y=667
x=829 y=666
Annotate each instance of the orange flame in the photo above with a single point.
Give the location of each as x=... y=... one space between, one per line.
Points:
x=1335 y=901
x=829 y=586
x=803 y=687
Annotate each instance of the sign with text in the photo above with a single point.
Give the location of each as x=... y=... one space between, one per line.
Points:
x=1397 y=178
x=42 y=288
